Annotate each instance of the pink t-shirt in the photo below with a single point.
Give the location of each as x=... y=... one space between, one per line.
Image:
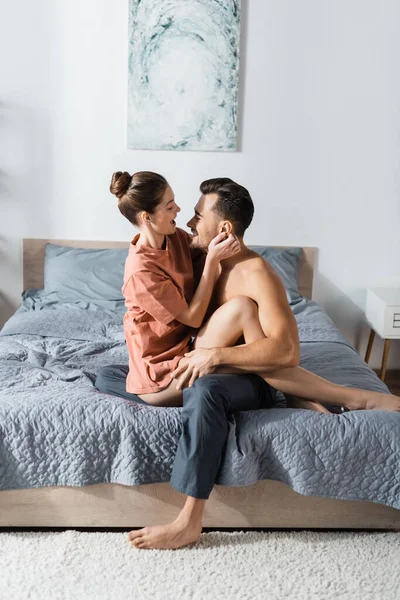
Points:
x=158 y=285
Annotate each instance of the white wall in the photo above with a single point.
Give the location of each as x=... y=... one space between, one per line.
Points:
x=319 y=126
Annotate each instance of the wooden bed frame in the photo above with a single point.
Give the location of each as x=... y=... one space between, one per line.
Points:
x=266 y=504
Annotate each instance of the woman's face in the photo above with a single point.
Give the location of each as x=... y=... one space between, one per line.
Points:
x=163 y=219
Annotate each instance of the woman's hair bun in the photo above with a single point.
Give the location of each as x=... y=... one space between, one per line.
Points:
x=120 y=183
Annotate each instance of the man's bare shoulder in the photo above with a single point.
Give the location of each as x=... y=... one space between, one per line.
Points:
x=255 y=266
x=259 y=275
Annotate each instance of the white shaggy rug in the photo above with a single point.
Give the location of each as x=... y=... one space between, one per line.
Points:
x=277 y=565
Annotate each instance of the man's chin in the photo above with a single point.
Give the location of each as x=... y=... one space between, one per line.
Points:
x=195 y=243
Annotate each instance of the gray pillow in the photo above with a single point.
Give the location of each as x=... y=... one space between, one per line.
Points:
x=286 y=264
x=74 y=274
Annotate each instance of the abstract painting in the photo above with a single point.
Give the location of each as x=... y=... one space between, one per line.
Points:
x=183 y=74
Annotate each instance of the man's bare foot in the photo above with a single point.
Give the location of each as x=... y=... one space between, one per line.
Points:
x=294 y=402
x=173 y=535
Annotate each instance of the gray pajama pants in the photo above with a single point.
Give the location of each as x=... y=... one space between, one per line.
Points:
x=206 y=406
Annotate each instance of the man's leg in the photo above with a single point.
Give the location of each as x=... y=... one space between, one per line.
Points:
x=206 y=406
x=112 y=380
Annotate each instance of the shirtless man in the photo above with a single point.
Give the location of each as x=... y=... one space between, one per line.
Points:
x=207 y=397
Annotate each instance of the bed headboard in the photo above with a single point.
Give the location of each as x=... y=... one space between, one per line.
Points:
x=33 y=261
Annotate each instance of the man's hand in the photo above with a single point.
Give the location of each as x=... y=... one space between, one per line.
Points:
x=193 y=365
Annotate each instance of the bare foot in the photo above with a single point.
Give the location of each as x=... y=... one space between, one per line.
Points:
x=379 y=401
x=173 y=535
x=294 y=402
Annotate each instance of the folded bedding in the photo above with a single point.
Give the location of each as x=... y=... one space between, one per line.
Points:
x=57 y=429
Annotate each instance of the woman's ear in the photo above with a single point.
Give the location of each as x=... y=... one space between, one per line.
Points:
x=145 y=217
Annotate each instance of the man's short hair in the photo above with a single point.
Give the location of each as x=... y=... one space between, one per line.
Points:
x=234 y=202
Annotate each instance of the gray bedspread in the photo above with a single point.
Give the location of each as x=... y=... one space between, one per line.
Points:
x=57 y=429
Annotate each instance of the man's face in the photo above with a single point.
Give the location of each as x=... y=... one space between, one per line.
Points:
x=205 y=223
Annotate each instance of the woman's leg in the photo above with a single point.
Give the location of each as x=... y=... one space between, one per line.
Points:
x=223 y=328
x=239 y=317
x=236 y=319
x=112 y=380
x=169 y=396
x=304 y=384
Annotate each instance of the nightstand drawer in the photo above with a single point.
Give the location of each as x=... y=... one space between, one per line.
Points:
x=392 y=321
x=383 y=311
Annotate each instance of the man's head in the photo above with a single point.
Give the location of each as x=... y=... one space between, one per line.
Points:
x=224 y=206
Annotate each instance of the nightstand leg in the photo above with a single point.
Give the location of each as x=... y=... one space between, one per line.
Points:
x=384 y=359
x=369 y=347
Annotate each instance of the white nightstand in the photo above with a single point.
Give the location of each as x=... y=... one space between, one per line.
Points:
x=383 y=315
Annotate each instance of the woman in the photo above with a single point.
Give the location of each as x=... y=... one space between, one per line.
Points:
x=163 y=311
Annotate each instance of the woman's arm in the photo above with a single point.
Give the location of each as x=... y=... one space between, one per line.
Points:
x=198 y=268
x=218 y=250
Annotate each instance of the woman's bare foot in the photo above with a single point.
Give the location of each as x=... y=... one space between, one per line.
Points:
x=356 y=399
x=294 y=402
x=180 y=532
x=379 y=401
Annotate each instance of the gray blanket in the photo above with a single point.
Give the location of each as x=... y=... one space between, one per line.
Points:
x=57 y=429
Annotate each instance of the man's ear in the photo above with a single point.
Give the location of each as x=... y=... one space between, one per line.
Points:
x=226 y=227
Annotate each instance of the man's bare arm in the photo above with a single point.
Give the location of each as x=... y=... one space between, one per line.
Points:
x=281 y=347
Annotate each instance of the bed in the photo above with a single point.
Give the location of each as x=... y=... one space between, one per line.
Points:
x=73 y=457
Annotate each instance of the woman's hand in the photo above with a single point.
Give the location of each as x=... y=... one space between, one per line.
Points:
x=220 y=248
